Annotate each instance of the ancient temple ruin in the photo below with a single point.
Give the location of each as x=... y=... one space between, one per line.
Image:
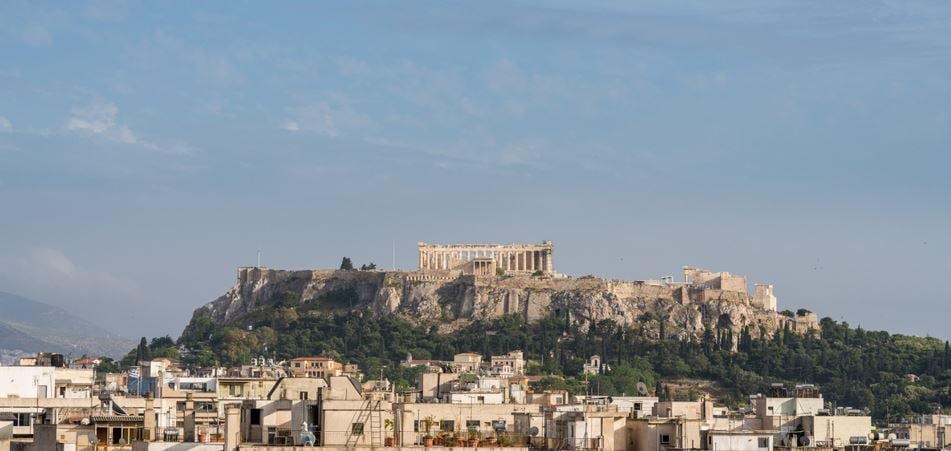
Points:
x=487 y=259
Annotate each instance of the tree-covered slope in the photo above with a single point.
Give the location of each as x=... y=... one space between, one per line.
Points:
x=853 y=367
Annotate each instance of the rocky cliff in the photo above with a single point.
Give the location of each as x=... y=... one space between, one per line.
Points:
x=452 y=301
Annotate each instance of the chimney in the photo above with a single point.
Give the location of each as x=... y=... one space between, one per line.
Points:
x=232 y=427
x=148 y=419
x=189 y=418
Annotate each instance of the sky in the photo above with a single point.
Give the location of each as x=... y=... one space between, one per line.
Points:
x=148 y=149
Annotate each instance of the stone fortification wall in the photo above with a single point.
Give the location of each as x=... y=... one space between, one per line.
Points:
x=455 y=300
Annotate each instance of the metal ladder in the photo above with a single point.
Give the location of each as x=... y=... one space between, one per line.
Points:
x=371 y=416
x=376 y=425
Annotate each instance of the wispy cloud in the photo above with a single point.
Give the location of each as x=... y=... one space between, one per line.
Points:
x=100 y=119
x=5 y=124
x=331 y=117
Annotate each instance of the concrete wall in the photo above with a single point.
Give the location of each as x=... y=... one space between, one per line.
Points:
x=690 y=410
x=485 y=414
x=647 y=435
x=6 y=434
x=836 y=429
x=26 y=381
x=739 y=442
x=174 y=446
x=788 y=407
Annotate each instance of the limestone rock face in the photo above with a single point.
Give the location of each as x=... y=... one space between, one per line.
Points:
x=453 y=301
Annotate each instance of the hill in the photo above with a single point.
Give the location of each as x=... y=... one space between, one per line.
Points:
x=31 y=326
x=646 y=332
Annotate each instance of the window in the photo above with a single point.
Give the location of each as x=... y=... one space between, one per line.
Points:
x=447 y=425
x=638 y=406
x=356 y=428
x=255 y=417
x=303 y=396
x=763 y=442
x=665 y=439
x=481 y=399
x=296 y=364
x=23 y=419
x=415 y=425
x=472 y=425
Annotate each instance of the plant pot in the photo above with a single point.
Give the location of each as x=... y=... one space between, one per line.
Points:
x=493 y=440
x=389 y=441
x=473 y=442
x=428 y=442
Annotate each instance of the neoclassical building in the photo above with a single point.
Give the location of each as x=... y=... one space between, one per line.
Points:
x=486 y=259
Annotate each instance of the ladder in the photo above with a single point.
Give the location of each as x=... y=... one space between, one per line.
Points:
x=371 y=416
x=376 y=425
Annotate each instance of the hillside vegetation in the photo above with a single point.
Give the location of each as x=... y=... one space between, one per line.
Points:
x=853 y=367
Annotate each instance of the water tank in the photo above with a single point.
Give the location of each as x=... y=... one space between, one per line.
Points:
x=901 y=442
x=57 y=360
x=858 y=440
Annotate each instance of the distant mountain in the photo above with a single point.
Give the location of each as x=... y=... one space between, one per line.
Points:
x=32 y=326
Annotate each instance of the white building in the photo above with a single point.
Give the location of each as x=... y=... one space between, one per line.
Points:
x=740 y=441
x=45 y=382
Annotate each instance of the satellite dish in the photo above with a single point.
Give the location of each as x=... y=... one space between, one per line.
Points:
x=84 y=421
x=533 y=431
x=642 y=389
x=92 y=437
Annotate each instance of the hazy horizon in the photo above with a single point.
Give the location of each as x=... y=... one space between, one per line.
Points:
x=147 y=150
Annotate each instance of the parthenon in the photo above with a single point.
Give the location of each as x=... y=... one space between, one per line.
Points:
x=486 y=259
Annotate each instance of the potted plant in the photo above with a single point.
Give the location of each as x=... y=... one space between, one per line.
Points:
x=457 y=437
x=474 y=438
x=445 y=438
x=389 y=425
x=493 y=439
x=428 y=426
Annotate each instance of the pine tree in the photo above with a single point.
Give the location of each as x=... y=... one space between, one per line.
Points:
x=142 y=353
x=346 y=264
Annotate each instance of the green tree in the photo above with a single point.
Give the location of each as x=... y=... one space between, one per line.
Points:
x=346 y=264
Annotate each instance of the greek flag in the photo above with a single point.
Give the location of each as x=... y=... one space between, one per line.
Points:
x=134 y=372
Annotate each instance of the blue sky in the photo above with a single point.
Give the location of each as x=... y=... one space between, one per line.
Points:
x=146 y=150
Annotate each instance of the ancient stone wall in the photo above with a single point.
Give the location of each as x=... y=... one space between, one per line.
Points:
x=453 y=300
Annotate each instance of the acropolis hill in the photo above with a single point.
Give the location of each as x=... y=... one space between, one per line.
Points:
x=457 y=284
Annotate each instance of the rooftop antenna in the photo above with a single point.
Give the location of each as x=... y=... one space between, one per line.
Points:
x=259 y=258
